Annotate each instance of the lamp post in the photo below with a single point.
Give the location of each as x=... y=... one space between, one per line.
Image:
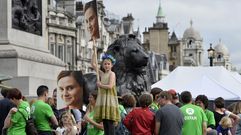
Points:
x=211 y=54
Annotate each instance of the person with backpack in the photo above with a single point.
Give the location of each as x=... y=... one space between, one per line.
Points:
x=16 y=118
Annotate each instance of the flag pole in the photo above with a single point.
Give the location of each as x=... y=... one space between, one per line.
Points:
x=96 y=60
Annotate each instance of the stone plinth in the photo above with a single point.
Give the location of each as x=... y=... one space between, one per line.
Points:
x=25 y=55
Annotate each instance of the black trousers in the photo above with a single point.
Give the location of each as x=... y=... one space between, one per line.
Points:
x=109 y=127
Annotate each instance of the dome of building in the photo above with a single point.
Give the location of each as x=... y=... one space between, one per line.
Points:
x=221 y=48
x=191 y=33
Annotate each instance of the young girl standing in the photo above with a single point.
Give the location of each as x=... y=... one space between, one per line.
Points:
x=106 y=108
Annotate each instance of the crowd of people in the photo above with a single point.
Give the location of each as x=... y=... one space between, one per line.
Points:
x=157 y=112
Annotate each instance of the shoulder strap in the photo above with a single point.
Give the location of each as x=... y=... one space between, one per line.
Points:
x=22 y=115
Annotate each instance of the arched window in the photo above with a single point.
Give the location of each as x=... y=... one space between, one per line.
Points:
x=189 y=44
x=219 y=58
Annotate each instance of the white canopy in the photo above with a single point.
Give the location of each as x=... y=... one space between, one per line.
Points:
x=211 y=81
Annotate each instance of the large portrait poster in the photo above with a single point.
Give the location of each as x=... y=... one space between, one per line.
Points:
x=27 y=16
x=91 y=21
x=70 y=90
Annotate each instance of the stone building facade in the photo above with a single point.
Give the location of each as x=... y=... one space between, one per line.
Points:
x=187 y=51
x=35 y=54
x=155 y=39
x=192 y=44
x=62 y=35
x=24 y=52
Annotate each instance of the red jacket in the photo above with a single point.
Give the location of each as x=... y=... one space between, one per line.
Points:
x=140 y=121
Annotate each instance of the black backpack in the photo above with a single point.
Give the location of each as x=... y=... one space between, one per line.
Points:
x=30 y=128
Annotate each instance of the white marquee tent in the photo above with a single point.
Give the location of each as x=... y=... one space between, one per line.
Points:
x=211 y=81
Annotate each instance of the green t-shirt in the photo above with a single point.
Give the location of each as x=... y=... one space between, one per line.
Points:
x=122 y=109
x=210 y=117
x=154 y=106
x=91 y=129
x=18 y=121
x=194 y=116
x=41 y=113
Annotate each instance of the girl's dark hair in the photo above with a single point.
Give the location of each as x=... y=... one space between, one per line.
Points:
x=145 y=100
x=78 y=76
x=14 y=93
x=203 y=99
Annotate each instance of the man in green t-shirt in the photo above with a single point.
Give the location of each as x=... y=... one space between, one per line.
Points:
x=202 y=101
x=42 y=113
x=195 y=120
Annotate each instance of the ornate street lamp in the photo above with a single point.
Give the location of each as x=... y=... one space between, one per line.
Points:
x=211 y=55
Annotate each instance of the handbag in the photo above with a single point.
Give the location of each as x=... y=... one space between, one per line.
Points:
x=30 y=128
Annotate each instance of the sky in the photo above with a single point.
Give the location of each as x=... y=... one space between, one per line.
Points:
x=214 y=19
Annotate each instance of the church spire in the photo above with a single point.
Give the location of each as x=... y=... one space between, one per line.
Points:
x=191 y=22
x=220 y=41
x=160 y=18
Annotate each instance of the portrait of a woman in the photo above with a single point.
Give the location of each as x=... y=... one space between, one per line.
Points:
x=71 y=88
x=91 y=19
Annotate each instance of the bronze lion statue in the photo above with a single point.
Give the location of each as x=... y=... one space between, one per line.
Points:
x=130 y=67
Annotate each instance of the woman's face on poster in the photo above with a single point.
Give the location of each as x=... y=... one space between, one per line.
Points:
x=92 y=22
x=71 y=92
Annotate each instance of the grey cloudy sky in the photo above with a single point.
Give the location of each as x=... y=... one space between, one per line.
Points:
x=214 y=19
